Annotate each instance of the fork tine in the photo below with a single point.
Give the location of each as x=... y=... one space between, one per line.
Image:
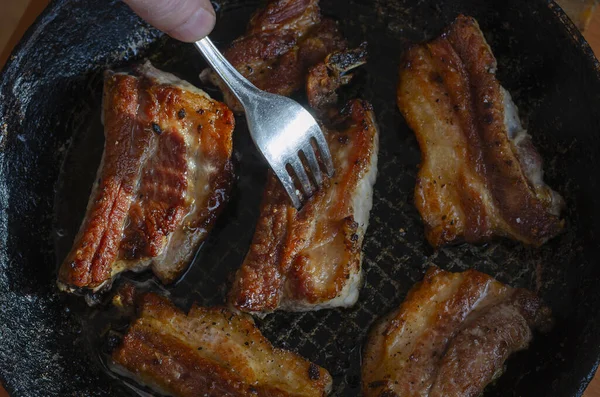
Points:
x=325 y=154
x=288 y=184
x=313 y=164
x=301 y=174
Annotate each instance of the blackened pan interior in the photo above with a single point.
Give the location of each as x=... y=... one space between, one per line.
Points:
x=51 y=142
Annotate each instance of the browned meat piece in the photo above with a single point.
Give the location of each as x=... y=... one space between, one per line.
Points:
x=164 y=177
x=450 y=337
x=311 y=259
x=283 y=41
x=480 y=175
x=326 y=77
x=211 y=352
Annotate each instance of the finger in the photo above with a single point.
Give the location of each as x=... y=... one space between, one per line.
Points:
x=185 y=20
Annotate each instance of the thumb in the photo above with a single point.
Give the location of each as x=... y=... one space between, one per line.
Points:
x=185 y=20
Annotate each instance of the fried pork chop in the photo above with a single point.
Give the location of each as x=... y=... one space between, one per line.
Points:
x=311 y=259
x=283 y=40
x=211 y=352
x=450 y=337
x=480 y=175
x=165 y=174
x=308 y=259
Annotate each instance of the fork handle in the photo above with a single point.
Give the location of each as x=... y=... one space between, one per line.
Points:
x=243 y=89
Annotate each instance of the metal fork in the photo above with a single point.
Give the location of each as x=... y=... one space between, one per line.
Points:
x=280 y=128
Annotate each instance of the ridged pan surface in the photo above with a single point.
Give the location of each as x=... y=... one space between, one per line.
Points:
x=51 y=142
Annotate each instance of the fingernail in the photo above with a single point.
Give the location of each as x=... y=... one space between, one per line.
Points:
x=196 y=27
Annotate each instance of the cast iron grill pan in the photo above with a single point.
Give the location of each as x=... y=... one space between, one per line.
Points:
x=51 y=142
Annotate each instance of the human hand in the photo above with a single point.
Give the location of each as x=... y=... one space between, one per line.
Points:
x=185 y=20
